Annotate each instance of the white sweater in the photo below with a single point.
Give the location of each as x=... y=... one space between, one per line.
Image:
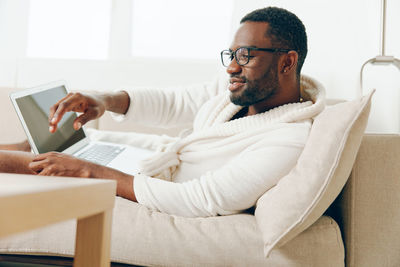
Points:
x=223 y=166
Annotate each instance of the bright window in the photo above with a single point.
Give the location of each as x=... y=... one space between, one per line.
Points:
x=69 y=29
x=181 y=28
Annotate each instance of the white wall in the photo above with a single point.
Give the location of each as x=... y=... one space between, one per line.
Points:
x=342 y=36
x=13 y=20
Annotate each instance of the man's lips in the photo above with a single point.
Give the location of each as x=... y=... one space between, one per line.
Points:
x=235 y=84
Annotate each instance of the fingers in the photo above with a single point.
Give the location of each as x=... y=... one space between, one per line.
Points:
x=36 y=166
x=72 y=102
x=55 y=106
x=43 y=156
x=59 y=164
x=53 y=110
x=90 y=114
x=42 y=164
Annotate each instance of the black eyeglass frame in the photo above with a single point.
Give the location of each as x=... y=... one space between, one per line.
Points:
x=271 y=50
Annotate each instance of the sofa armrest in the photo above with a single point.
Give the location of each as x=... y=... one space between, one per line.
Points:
x=370 y=204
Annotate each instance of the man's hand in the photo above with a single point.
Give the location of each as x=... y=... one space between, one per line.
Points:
x=59 y=164
x=92 y=108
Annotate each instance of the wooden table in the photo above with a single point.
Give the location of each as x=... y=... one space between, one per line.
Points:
x=28 y=202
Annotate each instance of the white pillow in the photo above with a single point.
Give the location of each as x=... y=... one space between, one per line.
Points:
x=323 y=168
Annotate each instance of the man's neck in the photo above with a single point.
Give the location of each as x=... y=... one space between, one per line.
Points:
x=285 y=95
x=255 y=109
x=242 y=113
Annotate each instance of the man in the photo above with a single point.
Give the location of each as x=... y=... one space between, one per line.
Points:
x=243 y=140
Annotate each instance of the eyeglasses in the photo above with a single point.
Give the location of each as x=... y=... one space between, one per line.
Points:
x=242 y=54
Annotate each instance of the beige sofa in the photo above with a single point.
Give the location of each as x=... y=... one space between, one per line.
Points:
x=359 y=229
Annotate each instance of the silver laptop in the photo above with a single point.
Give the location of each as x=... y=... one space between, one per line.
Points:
x=33 y=106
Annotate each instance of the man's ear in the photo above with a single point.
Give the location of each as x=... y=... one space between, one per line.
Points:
x=289 y=62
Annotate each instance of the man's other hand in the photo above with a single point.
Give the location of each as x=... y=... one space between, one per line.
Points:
x=59 y=164
x=92 y=108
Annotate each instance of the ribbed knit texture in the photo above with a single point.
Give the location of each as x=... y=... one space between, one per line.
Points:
x=222 y=166
x=213 y=120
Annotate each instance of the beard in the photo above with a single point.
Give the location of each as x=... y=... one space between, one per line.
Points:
x=257 y=90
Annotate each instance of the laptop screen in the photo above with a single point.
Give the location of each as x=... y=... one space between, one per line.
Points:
x=35 y=110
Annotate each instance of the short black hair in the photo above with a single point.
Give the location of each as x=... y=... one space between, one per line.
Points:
x=285 y=30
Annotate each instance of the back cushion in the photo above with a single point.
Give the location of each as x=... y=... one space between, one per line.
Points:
x=323 y=168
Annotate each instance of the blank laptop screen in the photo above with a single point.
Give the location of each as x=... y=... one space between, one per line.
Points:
x=35 y=110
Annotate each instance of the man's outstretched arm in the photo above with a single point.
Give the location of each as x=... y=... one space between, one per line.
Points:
x=15 y=161
x=59 y=164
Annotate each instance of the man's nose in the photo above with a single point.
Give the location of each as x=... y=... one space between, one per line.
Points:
x=233 y=67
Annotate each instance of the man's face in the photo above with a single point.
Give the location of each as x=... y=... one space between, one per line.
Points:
x=257 y=80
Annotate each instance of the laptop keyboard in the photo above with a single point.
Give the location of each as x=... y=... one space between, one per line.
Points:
x=101 y=154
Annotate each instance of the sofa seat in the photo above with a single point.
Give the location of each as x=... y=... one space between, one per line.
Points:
x=144 y=237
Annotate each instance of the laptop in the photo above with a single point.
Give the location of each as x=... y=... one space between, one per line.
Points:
x=33 y=106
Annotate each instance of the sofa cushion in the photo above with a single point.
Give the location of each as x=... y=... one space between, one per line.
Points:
x=144 y=237
x=323 y=168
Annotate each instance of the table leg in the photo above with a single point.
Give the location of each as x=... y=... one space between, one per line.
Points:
x=93 y=240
